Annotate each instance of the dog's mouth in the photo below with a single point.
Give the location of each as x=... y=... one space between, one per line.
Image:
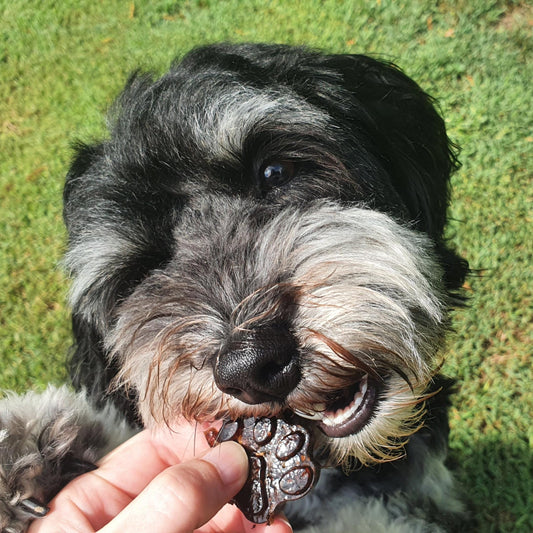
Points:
x=347 y=412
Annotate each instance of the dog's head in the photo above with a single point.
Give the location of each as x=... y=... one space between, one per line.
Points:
x=262 y=234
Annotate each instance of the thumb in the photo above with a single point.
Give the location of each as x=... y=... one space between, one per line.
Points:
x=184 y=497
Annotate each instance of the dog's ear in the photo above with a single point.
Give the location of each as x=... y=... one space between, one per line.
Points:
x=114 y=241
x=409 y=135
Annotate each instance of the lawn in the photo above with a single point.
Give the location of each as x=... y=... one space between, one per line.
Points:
x=62 y=63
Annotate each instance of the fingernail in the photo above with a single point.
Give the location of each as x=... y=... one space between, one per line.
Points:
x=231 y=461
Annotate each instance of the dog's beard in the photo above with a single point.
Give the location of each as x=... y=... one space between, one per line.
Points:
x=360 y=293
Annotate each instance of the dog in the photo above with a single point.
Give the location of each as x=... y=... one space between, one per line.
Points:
x=261 y=234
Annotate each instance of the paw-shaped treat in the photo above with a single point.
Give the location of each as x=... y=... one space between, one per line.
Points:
x=281 y=466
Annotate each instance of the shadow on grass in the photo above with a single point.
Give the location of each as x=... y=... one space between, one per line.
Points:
x=496 y=477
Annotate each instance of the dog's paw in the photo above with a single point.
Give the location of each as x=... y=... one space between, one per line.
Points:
x=46 y=440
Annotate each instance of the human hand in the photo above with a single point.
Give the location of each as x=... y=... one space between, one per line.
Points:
x=164 y=481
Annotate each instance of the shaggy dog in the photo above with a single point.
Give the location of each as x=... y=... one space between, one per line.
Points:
x=260 y=235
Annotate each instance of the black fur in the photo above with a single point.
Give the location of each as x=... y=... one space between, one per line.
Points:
x=389 y=138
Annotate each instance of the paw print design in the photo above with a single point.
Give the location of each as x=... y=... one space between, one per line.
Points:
x=281 y=465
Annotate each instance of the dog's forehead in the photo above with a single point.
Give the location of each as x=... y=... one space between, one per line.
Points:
x=219 y=117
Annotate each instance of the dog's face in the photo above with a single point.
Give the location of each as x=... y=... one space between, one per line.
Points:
x=261 y=235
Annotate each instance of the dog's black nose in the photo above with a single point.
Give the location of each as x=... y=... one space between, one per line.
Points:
x=259 y=365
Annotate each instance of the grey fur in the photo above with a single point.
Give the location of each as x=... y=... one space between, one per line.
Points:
x=375 y=292
x=46 y=439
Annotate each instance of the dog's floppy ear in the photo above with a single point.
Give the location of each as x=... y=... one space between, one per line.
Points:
x=409 y=135
x=91 y=299
x=411 y=141
x=115 y=240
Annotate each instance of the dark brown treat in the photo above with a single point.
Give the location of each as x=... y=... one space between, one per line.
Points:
x=281 y=466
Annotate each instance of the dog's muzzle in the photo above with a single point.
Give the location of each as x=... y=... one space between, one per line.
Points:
x=329 y=313
x=261 y=365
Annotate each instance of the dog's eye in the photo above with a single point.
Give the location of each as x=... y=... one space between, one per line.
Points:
x=276 y=173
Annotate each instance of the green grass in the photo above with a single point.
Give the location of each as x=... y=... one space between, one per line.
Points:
x=61 y=64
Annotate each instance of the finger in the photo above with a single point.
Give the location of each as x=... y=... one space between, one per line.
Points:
x=131 y=466
x=181 y=442
x=84 y=506
x=229 y=518
x=185 y=496
x=92 y=500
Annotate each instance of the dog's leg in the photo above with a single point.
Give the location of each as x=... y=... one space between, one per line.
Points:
x=46 y=440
